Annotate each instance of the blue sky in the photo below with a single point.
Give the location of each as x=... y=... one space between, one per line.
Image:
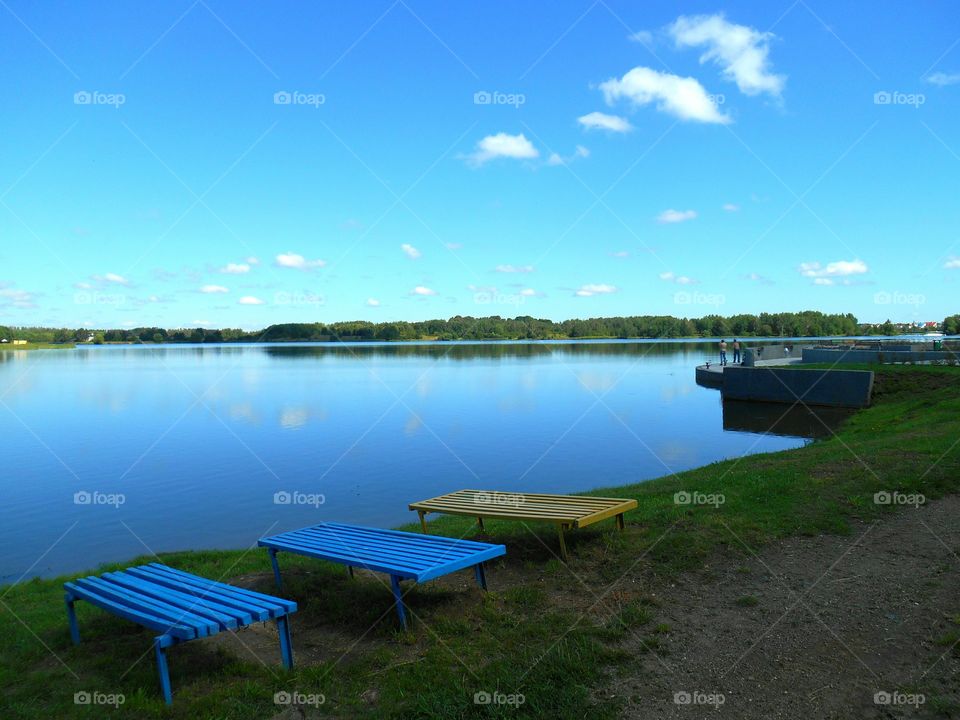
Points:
x=241 y=164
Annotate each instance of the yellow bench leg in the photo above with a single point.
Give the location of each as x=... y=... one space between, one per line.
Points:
x=563 y=545
x=620 y=521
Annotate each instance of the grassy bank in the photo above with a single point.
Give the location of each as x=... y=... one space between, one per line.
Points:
x=38 y=346
x=550 y=632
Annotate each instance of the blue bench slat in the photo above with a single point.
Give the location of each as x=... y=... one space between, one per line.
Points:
x=403 y=545
x=411 y=538
x=274 y=605
x=141 y=617
x=159 y=608
x=491 y=552
x=321 y=554
x=230 y=606
x=352 y=549
x=225 y=617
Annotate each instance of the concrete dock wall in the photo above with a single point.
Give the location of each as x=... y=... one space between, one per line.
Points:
x=831 y=388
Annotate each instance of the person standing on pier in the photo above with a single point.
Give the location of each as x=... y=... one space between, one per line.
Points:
x=736 y=351
x=723 y=352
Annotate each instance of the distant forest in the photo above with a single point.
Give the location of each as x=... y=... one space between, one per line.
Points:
x=807 y=323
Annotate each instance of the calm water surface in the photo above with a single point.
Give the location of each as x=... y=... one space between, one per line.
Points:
x=198 y=440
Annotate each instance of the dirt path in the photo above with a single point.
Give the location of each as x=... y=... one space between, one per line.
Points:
x=813 y=628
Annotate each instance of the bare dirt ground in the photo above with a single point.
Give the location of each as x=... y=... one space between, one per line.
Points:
x=811 y=628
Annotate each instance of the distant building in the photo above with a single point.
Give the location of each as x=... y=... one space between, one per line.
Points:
x=19 y=342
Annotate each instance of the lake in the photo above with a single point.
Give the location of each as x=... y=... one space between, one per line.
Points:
x=115 y=451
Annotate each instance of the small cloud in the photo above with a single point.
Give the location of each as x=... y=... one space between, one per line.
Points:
x=298 y=262
x=235 y=268
x=453 y=245
x=253 y=261
x=943 y=79
x=373 y=302
x=681 y=97
x=502 y=145
x=410 y=251
x=111 y=278
x=82 y=285
x=514 y=268
x=595 y=289
x=351 y=224
x=213 y=289
x=757 y=278
x=620 y=254
x=675 y=216
x=952 y=263
x=678 y=279
x=423 y=291
x=19 y=299
x=602 y=121
x=528 y=292
x=840 y=268
x=742 y=52
x=731 y=207
x=644 y=37
x=823 y=281
x=250 y=300
x=579 y=152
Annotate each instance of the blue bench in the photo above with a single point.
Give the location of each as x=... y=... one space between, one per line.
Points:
x=402 y=555
x=179 y=606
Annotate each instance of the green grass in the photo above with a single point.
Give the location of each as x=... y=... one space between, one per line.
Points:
x=38 y=346
x=551 y=633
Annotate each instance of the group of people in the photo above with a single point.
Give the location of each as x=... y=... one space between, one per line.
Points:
x=723 y=352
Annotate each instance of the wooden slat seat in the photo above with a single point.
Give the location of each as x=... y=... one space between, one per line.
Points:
x=179 y=606
x=401 y=555
x=566 y=511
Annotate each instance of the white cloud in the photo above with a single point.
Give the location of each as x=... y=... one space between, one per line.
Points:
x=20 y=299
x=731 y=207
x=235 y=268
x=742 y=52
x=943 y=79
x=250 y=300
x=758 y=278
x=298 y=262
x=602 y=121
x=410 y=251
x=620 y=254
x=373 y=302
x=111 y=278
x=528 y=292
x=823 y=281
x=557 y=159
x=675 y=216
x=678 y=279
x=952 y=263
x=213 y=289
x=683 y=97
x=514 y=268
x=645 y=37
x=253 y=261
x=840 y=268
x=423 y=291
x=453 y=245
x=502 y=145
x=595 y=289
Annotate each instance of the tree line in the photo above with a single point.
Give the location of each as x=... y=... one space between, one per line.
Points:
x=808 y=323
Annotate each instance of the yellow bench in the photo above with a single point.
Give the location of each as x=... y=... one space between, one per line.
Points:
x=566 y=511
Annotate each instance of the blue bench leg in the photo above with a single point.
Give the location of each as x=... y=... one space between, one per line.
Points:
x=72 y=619
x=276 y=568
x=159 y=644
x=481 y=576
x=286 y=647
x=398 y=596
x=350 y=570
